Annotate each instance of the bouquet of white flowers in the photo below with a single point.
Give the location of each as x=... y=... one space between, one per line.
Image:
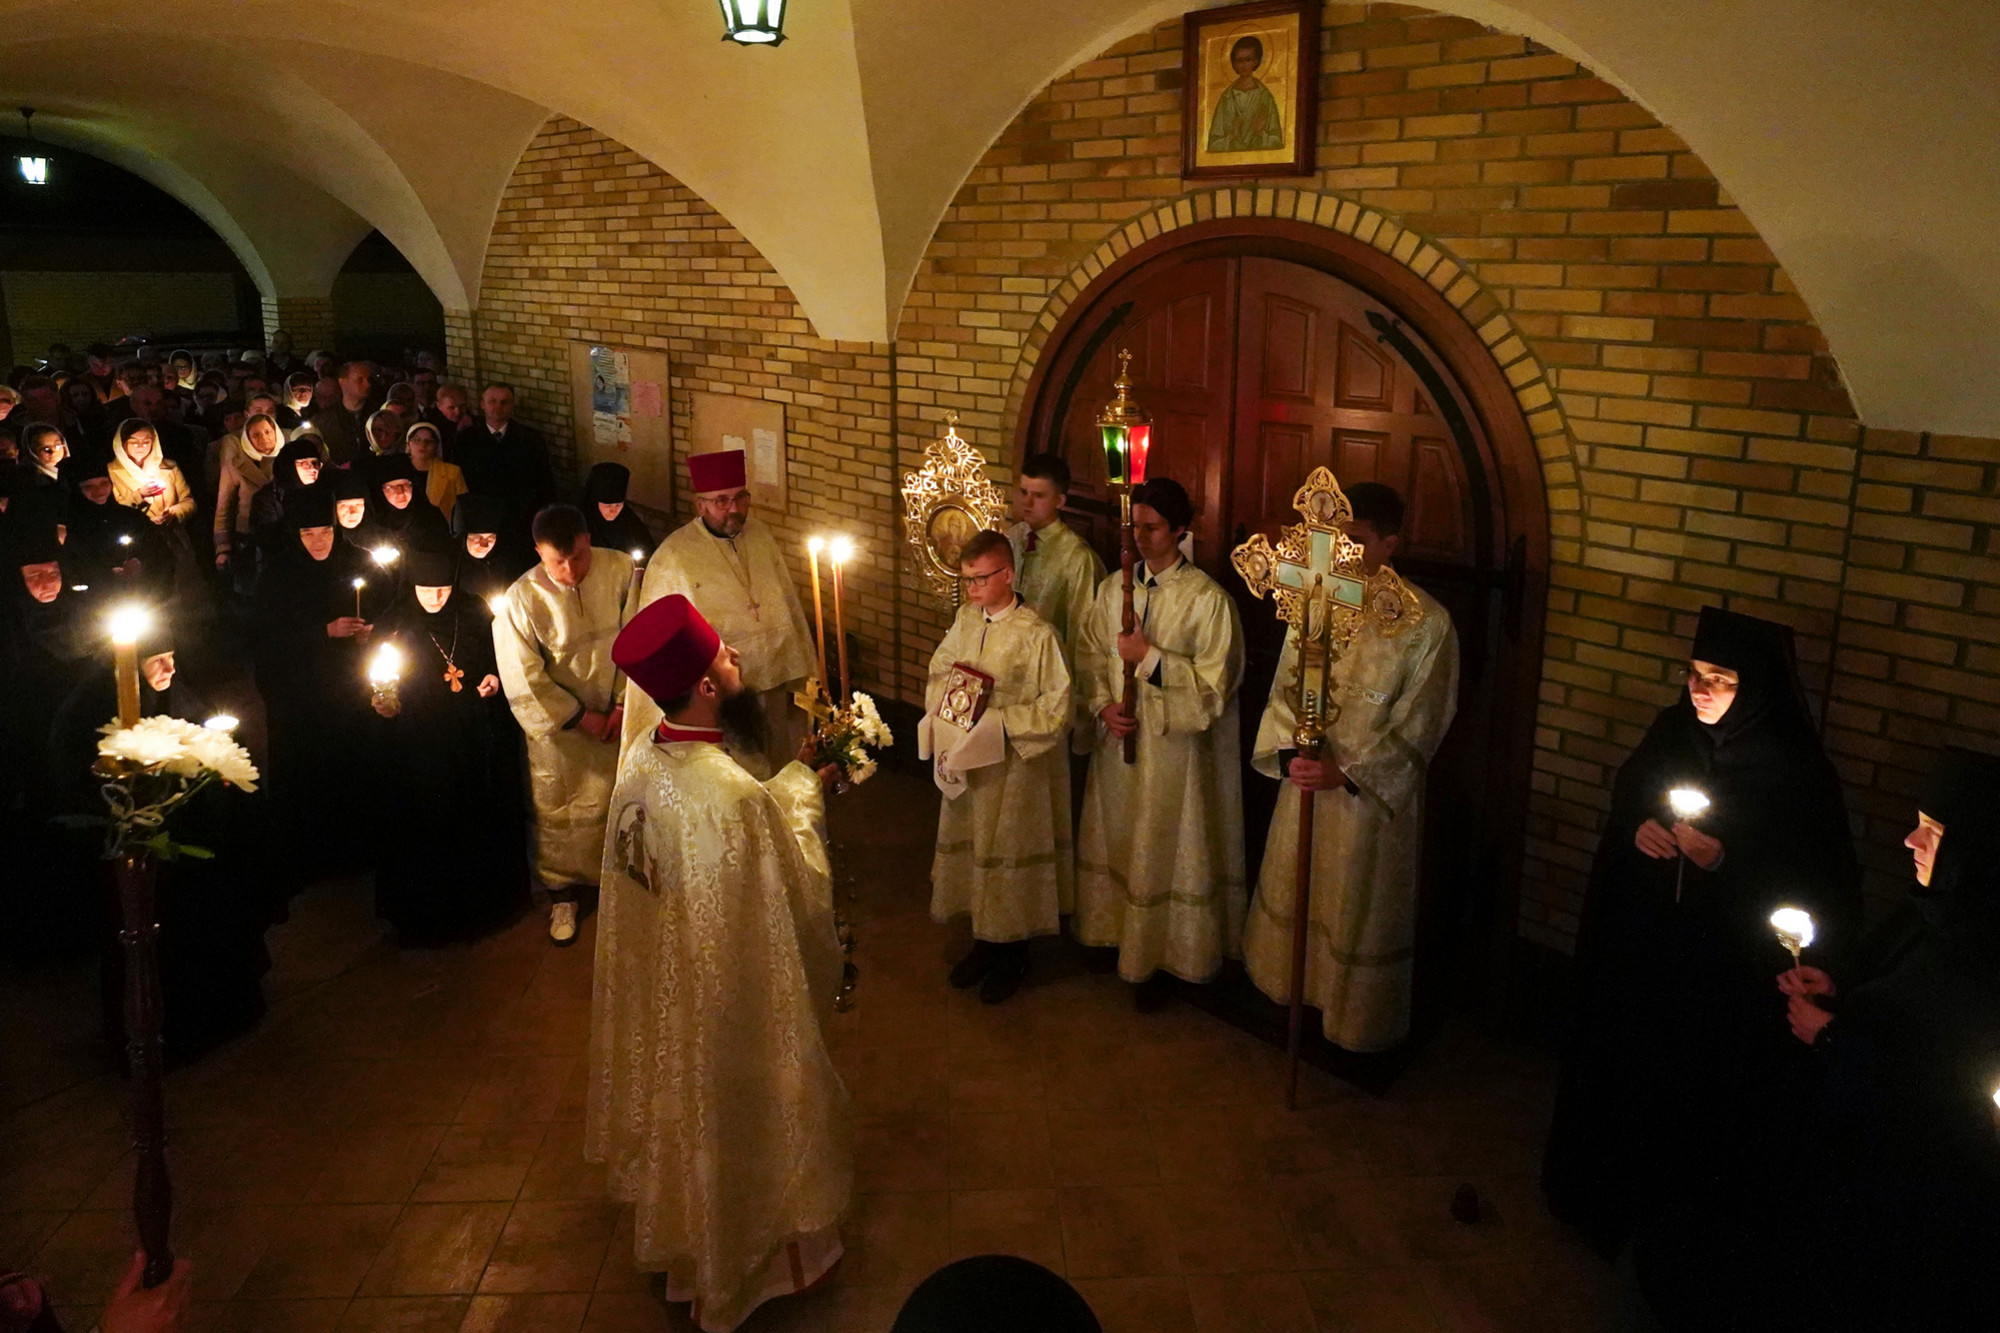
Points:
x=151 y=769
x=845 y=738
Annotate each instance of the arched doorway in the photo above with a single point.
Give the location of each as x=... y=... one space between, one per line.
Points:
x=1265 y=348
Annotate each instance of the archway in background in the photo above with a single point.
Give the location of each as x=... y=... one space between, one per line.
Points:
x=1265 y=346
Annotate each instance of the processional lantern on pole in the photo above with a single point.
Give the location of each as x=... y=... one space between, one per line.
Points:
x=1128 y=438
x=1326 y=597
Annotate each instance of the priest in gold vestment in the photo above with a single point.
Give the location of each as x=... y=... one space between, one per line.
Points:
x=712 y=1100
x=1395 y=697
x=726 y=562
x=552 y=641
x=1004 y=854
x=1159 y=873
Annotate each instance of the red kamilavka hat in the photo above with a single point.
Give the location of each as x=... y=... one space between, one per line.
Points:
x=719 y=471
x=667 y=648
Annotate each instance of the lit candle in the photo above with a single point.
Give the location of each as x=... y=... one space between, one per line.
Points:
x=1795 y=929
x=126 y=624
x=223 y=722
x=359 y=584
x=384 y=670
x=497 y=604
x=814 y=545
x=384 y=556
x=1687 y=803
x=840 y=551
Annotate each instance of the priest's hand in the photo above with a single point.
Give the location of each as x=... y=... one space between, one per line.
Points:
x=489 y=687
x=131 y=566
x=829 y=778
x=1805 y=980
x=382 y=707
x=1699 y=848
x=1315 y=775
x=346 y=627
x=1655 y=841
x=135 y=1309
x=1132 y=646
x=1116 y=722
x=1808 y=1019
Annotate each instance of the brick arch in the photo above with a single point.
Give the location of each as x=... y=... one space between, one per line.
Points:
x=1454 y=283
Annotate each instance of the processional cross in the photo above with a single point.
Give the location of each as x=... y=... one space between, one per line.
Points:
x=1326 y=596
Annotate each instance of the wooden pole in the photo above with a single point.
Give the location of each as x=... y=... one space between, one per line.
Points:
x=1307 y=738
x=152 y=1187
x=1126 y=554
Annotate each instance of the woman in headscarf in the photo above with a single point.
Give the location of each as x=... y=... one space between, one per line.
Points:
x=385 y=432
x=307 y=649
x=144 y=477
x=43 y=453
x=452 y=862
x=212 y=918
x=1680 y=1080
x=1888 y=1223
x=443 y=482
x=246 y=470
x=613 y=524
x=400 y=511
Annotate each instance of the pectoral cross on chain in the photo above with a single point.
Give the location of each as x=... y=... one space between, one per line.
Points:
x=454 y=677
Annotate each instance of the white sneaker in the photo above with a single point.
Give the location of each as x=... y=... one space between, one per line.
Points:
x=562 y=922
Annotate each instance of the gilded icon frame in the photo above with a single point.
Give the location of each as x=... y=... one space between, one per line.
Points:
x=1287 y=34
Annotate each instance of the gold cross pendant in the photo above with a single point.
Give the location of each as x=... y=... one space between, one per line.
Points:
x=453 y=677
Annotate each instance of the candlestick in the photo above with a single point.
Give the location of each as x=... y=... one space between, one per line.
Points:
x=126 y=624
x=840 y=550
x=814 y=545
x=1688 y=804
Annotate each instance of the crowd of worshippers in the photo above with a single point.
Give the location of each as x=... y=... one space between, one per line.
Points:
x=280 y=519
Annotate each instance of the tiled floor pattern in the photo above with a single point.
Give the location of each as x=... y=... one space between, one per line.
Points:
x=399 y=1147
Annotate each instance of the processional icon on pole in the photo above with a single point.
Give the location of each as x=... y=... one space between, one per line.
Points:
x=1326 y=597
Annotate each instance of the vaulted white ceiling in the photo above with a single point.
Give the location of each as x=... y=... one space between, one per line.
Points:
x=1863 y=140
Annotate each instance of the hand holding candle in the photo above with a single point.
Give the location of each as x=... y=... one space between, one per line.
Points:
x=1795 y=929
x=385 y=669
x=1688 y=803
x=359 y=584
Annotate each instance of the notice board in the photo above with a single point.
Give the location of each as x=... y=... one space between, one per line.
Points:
x=725 y=421
x=619 y=410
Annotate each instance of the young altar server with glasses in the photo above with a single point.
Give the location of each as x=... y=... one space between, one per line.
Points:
x=1160 y=859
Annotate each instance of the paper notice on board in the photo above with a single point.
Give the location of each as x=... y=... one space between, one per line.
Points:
x=604 y=427
x=646 y=398
x=764 y=456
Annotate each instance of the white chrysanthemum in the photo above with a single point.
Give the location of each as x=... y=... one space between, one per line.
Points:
x=231 y=762
x=184 y=749
x=145 y=745
x=861 y=772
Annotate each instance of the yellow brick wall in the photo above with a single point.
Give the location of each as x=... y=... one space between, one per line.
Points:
x=1696 y=441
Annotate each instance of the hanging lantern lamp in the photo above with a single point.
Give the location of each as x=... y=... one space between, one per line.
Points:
x=753 y=22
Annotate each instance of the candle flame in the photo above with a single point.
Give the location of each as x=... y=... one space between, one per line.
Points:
x=223 y=722
x=386 y=665
x=385 y=555
x=841 y=550
x=1687 y=803
x=497 y=603
x=359 y=584
x=127 y=623
x=815 y=543
x=1794 y=926
x=124 y=539
x=638 y=554
x=1996 y=1096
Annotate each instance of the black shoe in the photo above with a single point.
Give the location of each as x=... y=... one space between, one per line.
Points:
x=1004 y=976
x=969 y=969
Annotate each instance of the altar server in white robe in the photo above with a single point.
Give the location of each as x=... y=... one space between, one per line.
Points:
x=712 y=1101
x=727 y=563
x=1395 y=696
x=552 y=640
x=1004 y=854
x=1056 y=571
x=1159 y=873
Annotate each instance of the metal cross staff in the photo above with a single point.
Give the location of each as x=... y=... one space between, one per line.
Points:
x=1327 y=597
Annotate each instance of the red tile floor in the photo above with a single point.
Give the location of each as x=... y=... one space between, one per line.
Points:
x=398 y=1146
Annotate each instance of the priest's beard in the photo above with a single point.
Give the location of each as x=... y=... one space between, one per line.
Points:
x=743 y=720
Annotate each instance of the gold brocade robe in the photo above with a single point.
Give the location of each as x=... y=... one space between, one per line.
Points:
x=712 y=1100
x=553 y=646
x=1396 y=698
x=1003 y=847
x=1159 y=871
x=725 y=580
x=1058 y=578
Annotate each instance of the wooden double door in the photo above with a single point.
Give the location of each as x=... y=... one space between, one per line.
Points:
x=1256 y=369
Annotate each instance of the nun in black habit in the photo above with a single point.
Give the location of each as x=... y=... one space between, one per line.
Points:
x=452 y=857
x=613 y=523
x=483 y=569
x=212 y=909
x=307 y=648
x=1680 y=1080
x=1891 y=1222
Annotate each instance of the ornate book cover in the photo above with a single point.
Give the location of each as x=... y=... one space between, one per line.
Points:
x=966 y=691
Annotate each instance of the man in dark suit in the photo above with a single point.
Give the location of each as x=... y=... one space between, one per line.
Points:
x=340 y=424
x=508 y=461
